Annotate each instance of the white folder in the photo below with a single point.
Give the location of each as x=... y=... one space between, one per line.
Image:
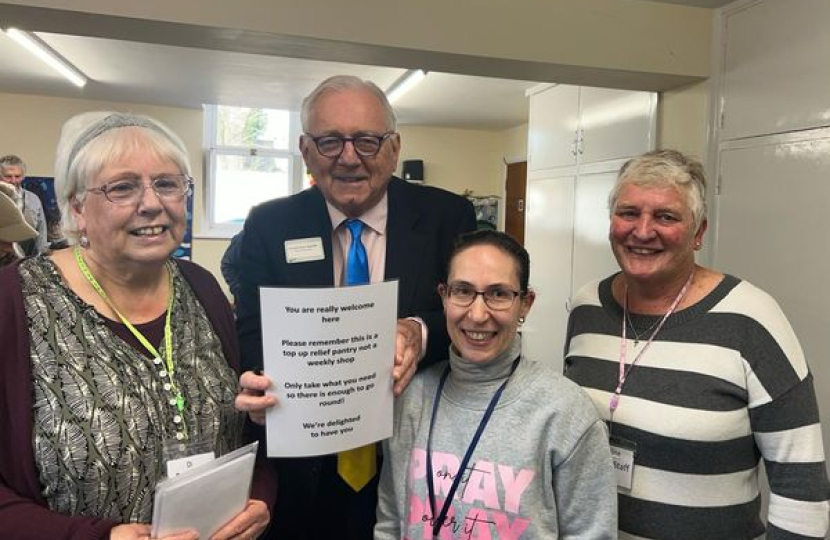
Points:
x=205 y=497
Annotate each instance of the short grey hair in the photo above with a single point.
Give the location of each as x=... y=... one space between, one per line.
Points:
x=91 y=140
x=665 y=168
x=338 y=83
x=12 y=160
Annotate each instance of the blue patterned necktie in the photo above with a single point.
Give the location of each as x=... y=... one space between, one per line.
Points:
x=358 y=465
x=357 y=261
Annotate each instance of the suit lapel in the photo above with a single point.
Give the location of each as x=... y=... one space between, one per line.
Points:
x=405 y=245
x=313 y=273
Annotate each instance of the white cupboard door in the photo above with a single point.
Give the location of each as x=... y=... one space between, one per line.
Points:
x=592 y=257
x=549 y=239
x=615 y=124
x=775 y=76
x=772 y=231
x=552 y=128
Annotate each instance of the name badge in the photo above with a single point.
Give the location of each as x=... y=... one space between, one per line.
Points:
x=622 y=456
x=304 y=250
x=175 y=467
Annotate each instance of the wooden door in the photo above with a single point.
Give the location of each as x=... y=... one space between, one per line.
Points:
x=514 y=210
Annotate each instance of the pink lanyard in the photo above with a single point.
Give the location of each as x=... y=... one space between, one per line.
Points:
x=615 y=398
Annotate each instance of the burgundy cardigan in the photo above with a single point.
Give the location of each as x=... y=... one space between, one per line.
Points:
x=23 y=511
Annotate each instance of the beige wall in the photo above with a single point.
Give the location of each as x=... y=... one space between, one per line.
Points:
x=683 y=116
x=32 y=126
x=472 y=161
x=456 y=159
x=514 y=144
x=37 y=121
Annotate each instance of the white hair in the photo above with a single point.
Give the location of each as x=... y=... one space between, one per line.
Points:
x=90 y=141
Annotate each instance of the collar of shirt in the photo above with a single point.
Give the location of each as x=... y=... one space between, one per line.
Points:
x=17 y=196
x=373 y=237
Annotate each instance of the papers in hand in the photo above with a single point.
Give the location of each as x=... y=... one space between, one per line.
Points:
x=205 y=497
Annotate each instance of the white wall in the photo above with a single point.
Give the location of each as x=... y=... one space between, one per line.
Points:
x=635 y=44
x=771 y=149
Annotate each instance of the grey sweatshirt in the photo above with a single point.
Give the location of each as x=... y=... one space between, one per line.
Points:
x=542 y=468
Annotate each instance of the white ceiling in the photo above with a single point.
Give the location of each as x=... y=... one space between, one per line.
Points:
x=185 y=77
x=188 y=77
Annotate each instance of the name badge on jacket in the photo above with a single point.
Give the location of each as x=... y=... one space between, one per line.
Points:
x=304 y=250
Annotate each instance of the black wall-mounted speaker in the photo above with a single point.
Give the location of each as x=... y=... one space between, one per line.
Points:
x=413 y=169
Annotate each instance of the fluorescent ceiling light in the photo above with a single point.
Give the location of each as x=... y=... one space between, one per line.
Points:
x=36 y=46
x=404 y=84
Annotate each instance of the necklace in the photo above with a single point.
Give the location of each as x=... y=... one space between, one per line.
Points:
x=177 y=398
x=614 y=402
x=637 y=335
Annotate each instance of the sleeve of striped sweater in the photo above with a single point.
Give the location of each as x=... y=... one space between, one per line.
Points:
x=785 y=423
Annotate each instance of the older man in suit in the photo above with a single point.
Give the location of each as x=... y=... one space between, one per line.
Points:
x=351 y=148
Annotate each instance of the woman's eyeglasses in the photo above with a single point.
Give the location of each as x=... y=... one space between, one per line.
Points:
x=496 y=298
x=171 y=187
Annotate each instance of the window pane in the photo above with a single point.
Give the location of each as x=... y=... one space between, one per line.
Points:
x=258 y=128
x=244 y=181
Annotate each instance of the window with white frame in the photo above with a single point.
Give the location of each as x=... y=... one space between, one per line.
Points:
x=252 y=157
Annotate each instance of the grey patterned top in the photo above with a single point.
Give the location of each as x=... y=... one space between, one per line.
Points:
x=103 y=410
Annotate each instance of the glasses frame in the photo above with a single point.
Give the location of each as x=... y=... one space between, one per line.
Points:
x=446 y=292
x=343 y=140
x=106 y=188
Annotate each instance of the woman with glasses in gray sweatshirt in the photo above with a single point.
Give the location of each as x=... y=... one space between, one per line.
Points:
x=492 y=443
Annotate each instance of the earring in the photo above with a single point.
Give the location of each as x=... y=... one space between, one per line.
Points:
x=521 y=320
x=83 y=241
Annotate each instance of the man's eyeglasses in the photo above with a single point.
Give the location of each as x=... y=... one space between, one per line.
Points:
x=171 y=187
x=496 y=298
x=331 y=146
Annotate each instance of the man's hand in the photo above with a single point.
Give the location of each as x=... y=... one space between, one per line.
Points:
x=407 y=353
x=252 y=398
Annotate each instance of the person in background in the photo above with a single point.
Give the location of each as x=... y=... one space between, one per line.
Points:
x=230 y=265
x=493 y=444
x=351 y=148
x=12 y=172
x=13 y=227
x=115 y=357
x=698 y=374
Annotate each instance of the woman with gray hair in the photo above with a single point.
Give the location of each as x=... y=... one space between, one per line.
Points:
x=118 y=361
x=697 y=373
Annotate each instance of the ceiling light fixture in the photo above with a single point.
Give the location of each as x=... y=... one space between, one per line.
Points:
x=36 y=46
x=404 y=83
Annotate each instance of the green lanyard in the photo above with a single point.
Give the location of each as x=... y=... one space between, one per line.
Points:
x=168 y=333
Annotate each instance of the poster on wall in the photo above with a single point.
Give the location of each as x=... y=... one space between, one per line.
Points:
x=44 y=188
